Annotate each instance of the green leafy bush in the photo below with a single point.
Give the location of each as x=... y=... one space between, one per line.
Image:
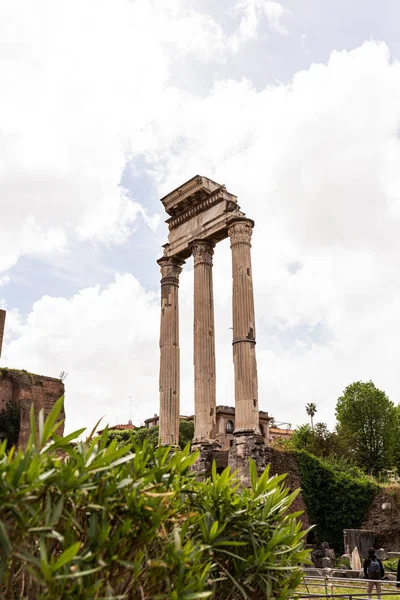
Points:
x=335 y=500
x=91 y=520
x=10 y=423
x=141 y=434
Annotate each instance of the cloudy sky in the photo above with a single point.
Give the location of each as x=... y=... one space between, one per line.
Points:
x=107 y=105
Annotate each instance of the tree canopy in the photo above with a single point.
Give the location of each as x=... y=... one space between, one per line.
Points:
x=369 y=420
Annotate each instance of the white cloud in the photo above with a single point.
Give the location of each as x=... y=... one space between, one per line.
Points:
x=83 y=82
x=4 y=280
x=251 y=13
x=107 y=342
x=315 y=163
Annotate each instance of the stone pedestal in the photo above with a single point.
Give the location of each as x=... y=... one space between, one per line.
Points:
x=247 y=446
x=244 y=331
x=204 y=345
x=171 y=268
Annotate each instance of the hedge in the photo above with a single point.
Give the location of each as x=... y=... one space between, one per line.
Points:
x=335 y=500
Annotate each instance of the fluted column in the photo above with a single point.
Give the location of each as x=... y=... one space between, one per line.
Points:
x=204 y=344
x=171 y=268
x=244 y=331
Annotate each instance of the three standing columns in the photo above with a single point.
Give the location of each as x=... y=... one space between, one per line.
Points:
x=244 y=341
x=244 y=330
x=171 y=268
x=204 y=344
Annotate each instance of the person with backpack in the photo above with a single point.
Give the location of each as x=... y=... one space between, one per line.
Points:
x=374 y=571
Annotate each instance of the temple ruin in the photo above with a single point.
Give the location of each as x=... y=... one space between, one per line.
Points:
x=201 y=214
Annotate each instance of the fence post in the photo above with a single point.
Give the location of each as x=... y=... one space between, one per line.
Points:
x=326 y=585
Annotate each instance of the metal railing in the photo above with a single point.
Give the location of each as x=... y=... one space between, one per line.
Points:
x=333 y=587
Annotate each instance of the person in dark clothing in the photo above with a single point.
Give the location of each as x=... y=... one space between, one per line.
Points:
x=398 y=575
x=374 y=571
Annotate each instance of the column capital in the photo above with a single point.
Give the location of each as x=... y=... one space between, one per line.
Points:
x=203 y=252
x=170 y=268
x=240 y=232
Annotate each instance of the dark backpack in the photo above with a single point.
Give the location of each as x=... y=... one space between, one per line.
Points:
x=374 y=569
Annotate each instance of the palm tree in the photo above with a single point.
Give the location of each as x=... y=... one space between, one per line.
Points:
x=311 y=409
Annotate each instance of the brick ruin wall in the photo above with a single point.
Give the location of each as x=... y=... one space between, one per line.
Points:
x=23 y=389
x=2 y=325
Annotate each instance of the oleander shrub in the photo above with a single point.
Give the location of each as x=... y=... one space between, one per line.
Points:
x=89 y=520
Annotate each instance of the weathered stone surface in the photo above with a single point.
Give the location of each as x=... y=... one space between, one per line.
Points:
x=385 y=523
x=324 y=547
x=203 y=213
x=244 y=329
x=199 y=209
x=330 y=553
x=327 y=563
x=169 y=352
x=2 y=325
x=205 y=404
x=362 y=539
x=24 y=389
x=209 y=453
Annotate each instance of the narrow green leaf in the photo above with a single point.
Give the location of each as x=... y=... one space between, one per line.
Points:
x=67 y=556
x=50 y=420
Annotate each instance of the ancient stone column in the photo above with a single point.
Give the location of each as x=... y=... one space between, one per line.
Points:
x=204 y=344
x=171 y=268
x=2 y=325
x=244 y=331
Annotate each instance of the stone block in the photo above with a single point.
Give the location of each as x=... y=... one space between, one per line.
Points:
x=324 y=547
x=330 y=553
x=327 y=563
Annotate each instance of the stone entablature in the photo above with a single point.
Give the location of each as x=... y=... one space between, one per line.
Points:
x=200 y=209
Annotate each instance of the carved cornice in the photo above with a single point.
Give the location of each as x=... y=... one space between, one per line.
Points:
x=203 y=251
x=241 y=232
x=180 y=192
x=202 y=206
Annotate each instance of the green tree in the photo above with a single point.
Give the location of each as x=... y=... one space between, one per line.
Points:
x=139 y=435
x=186 y=433
x=311 y=409
x=10 y=423
x=367 y=418
x=319 y=441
